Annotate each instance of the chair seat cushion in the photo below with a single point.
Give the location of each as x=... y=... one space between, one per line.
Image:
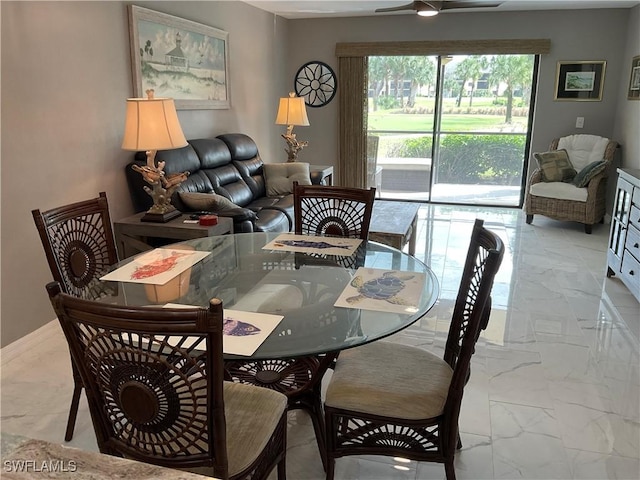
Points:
x=559 y=190
x=252 y=415
x=390 y=379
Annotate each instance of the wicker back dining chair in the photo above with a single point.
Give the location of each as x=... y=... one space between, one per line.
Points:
x=390 y=399
x=335 y=211
x=318 y=210
x=154 y=379
x=79 y=246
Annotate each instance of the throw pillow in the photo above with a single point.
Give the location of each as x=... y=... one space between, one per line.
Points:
x=279 y=177
x=585 y=175
x=555 y=166
x=206 y=202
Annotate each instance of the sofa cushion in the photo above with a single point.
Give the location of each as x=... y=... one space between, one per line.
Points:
x=177 y=160
x=585 y=175
x=279 y=177
x=555 y=166
x=212 y=152
x=206 y=202
x=241 y=146
x=252 y=172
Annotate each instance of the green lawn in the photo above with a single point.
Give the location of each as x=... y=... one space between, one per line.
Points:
x=489 y=118
x=384 y=120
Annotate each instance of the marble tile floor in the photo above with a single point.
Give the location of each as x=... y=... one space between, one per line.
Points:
x=555 y=385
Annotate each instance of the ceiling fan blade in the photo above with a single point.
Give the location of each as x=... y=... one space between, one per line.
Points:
x=408 y=6
x=438 y=6
x=470 y=4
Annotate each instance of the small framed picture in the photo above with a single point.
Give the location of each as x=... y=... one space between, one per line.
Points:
x=580 y=81
x=634 y=79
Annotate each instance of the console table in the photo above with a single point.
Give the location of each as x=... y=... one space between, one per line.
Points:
x=623 y=255
x=134 y=236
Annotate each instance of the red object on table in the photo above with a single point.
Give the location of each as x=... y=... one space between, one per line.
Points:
x=208 y=220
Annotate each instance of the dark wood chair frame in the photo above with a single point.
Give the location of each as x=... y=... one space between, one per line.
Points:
x=154 y=382
x=429 y=439
x=79 y=247
x=318 y=210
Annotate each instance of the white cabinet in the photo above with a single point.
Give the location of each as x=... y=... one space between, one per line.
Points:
x=623 y=255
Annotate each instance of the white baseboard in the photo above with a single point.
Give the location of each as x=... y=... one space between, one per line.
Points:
x=28 y=342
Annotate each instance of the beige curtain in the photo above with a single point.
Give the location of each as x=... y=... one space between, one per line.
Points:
x=352 y=88
x=353 y=84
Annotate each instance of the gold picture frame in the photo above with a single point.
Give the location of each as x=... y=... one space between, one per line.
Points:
x=580 y=81
x=179 y=59
x=634 y=79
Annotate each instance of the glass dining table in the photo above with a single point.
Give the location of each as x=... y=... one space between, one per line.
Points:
x=302 y=288
x=307 y=290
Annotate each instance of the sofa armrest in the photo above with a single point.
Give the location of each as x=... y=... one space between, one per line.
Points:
x=238 y=214
x=286 y=214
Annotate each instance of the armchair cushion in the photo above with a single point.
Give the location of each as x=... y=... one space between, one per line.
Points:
x=585 y=175
x=206 y=202
x=279 y=177
x=559 y=191
x=583 y=149
x=555 y=166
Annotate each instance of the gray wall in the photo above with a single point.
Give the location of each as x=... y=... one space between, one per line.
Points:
x=66 y=75
x=627 y=121
x=65 y=78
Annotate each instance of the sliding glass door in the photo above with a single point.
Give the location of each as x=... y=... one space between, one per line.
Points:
x=450 y=129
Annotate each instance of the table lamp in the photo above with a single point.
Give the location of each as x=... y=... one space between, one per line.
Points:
x=292 y=111
x=151 y=124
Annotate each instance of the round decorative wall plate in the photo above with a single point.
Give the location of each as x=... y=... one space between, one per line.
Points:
x=316 y=83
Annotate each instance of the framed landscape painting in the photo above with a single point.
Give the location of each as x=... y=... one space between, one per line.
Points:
x=179 y=59
x=634 y=79
x=580 y=81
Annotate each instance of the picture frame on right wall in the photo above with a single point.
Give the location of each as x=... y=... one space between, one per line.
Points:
x=580 y=81
x=634 y=79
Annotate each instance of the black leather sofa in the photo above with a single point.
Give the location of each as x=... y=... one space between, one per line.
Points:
x=229 y=165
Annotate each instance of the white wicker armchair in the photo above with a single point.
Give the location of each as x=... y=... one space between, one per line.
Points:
x=564 y=201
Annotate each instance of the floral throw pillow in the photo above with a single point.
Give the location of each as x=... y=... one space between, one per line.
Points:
x=555 y=166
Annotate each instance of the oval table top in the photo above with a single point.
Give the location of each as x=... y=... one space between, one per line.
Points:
x=301 y=287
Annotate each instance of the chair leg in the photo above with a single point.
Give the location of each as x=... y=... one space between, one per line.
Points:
x=587 y=228
x=282 y=469
x=529 y=219
x=331 y=466
x=317 y=419
x=73 y=410
x=449 y=470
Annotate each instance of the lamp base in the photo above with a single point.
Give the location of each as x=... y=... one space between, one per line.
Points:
x=160 y=217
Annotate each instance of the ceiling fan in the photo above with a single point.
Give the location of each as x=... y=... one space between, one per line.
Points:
x=430 y=8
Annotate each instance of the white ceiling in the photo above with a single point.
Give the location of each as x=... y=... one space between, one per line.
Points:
x=293 y=9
